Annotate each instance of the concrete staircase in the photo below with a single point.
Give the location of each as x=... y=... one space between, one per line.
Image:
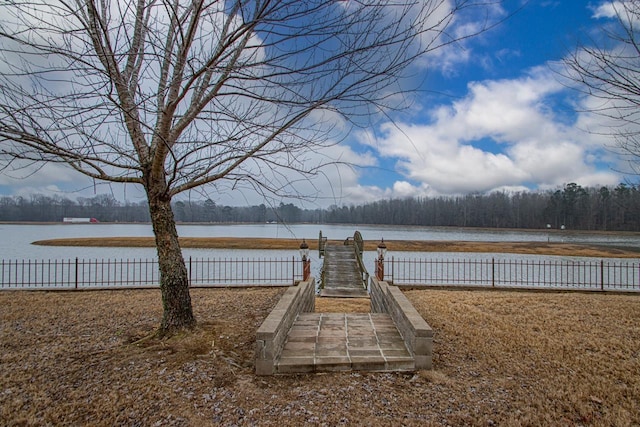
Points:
x=295 y=339
x=321 y=342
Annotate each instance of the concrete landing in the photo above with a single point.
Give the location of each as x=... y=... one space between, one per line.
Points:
x=343 y=292
x=320 y=342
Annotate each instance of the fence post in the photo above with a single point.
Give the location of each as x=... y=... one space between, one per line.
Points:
x=393 y=258
x=76 y=272
x=493 y=272
x=602 y=275
x=306 y=269
x=190 y=270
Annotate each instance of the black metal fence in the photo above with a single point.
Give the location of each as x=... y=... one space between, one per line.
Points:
x=100 y=273
x=604 y=275
x=617 y=275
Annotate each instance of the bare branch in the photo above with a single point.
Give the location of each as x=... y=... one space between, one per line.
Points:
x=607 y=71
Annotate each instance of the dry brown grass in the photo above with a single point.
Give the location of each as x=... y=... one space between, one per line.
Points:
x=393 y=245
x=543 y=358
x=501 y=358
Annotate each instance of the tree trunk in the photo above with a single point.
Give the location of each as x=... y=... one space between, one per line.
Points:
x=174 y=280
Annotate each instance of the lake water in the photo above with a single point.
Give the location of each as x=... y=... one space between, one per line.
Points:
x=16 y=239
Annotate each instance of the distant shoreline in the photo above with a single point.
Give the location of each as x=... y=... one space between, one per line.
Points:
x=553 y=231
x=535 y=248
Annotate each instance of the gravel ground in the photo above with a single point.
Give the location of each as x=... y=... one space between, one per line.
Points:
x=500 y=358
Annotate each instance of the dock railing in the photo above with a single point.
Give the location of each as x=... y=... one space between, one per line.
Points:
x=138 y=273
x=599 y=275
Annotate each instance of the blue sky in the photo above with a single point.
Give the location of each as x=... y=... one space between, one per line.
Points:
x=500 y=116
x=491 y=115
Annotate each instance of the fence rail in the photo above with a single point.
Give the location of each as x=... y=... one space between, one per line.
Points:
x=580 y=275
x=100 y=273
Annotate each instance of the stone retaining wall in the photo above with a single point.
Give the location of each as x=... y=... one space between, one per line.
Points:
x=417 y=334
x=272 y=334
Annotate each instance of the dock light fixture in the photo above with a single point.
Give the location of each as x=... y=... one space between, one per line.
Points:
x=304 y=250
x=382 y=249
x=306 y=262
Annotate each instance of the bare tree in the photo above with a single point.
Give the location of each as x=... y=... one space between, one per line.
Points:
x=177 y=94
x=607 y=70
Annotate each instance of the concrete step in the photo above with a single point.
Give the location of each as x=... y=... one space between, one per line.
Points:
x=321 y=342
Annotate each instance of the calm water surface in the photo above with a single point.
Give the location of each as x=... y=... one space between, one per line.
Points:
x=16 y=240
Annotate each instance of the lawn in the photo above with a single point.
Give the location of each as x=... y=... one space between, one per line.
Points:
x=500 y=358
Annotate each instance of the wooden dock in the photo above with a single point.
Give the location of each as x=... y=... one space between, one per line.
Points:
x=342 y=276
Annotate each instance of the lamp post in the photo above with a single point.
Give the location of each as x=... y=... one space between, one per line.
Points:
x=306 y=262
x=382 y=251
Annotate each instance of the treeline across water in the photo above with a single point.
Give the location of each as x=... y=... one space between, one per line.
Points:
x=574 y=207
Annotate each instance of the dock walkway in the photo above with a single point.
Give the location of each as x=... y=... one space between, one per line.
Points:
x=296 y=339
x=341 y=273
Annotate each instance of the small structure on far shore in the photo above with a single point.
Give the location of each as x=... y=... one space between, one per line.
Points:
x=75 y=220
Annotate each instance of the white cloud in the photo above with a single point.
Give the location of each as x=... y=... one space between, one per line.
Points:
x=626 y=11
x=607 y=9
x=405 y=189
x=53 y=179
x=360 y=194
x=503 y=134
x=333 y=179
x=453 y=46
x=25 y=174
